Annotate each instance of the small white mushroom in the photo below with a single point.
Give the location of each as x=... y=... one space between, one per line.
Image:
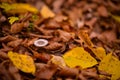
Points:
x=40 y=42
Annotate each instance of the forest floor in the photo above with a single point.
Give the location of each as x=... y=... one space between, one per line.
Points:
x=59 y=40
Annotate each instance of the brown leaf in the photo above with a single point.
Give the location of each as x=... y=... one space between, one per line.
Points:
x=65 y=36
x=7 y=38
x=102 y=11
x=52 y=24
x=31 y=41
x=60 y=18
x=108 y=36
x=53 y=46
x=90 y=73
x=68 y=72
x=45 y=71
x=16 y=27
x=44 y=31
x=57 y=5
x=14 y=43
x=14 y=72
x=91 y=22
x=5 y=47
x=3 y=55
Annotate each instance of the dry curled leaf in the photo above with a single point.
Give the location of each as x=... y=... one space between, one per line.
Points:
x=53 y=46
x=14 y=43
x=88 y=73
x=65 y=36
x=7 y=38
x=102 y=11
x=16 y=27
x=23 y=62
x=45 y=71
x=68 y=72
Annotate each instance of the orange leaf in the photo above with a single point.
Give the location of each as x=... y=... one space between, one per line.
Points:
x=85 y=38
x=46 y=12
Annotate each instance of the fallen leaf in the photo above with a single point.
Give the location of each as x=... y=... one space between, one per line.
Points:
x=46 y=12
x=58 y=61
x=45 y=71
x=18 y=8
x=23 y=62
x=115 y=17
x=16 y=27
x=102 y=11
x=13 y=19
x=85 y=38
x=99 y=52
x=68 y=72
x=111 y=65
x=104 y=77
x=79 y=57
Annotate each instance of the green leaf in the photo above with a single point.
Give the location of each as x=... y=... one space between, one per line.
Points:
x=30 y=27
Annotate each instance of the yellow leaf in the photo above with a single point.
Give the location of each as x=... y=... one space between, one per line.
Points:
x=23 y=62
x=79 y=57
x=110 y=64
x=104 y=76
x=58 y=61
x=117 y=18
x=46 y=12
x=85 y=38
x=18 y=8
x=99 y=52
x=13 y=19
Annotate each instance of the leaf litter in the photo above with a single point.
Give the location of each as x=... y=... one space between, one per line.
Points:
x=82 y=42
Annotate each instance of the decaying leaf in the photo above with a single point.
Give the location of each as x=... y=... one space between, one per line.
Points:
x=18 y=8
x=58 y=61
x=16 y=27
x=46 y=12
x=23 y=62
x=45 y=71
x=79 y=57
x=13 y=19
x=68 y=72
x=99 y=52
x=110 y=64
